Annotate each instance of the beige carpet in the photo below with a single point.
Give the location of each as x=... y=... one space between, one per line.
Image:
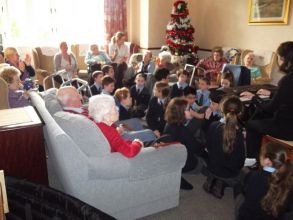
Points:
x=197 y=204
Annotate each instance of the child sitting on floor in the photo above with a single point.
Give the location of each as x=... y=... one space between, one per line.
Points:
x=178 y=88
x=155 y=113
x=140 y=95
x=225 y=146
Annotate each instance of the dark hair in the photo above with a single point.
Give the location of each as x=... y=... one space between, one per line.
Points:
x=218 y=50
x=107 y=80
x=161 y=73
x=280 y=182
x=189 y=90
x=163 y=87
x=106 y=68
x=175 y=111
x=285 y=51
x=206 y=79
x=97 y=73
x=141 y=75
x=232 y=108
x=2 y=53
x=217 y=95
x=228 y=75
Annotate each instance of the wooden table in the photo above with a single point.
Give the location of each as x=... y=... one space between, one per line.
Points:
x=22 y=149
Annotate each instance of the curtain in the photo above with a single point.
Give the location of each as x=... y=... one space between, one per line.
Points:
x=115 y=17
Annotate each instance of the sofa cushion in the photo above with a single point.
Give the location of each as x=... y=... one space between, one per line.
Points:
x=51 y=102
x=84 y=133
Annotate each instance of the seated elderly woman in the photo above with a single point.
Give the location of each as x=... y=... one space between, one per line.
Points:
x=249 y=63
x=96 y=58
x=16 y=96
x=24 y=66
x=213 y=65
x=103 y=111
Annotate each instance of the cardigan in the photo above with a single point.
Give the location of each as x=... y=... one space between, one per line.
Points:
x=155 y=115
x=125 y=147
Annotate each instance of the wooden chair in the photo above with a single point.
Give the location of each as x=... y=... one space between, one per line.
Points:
x=4 y=102
x=287 y=144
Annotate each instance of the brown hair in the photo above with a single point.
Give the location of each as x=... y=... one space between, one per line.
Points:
x=117 y=37
x=175 y=112
x=163 y=87
x=121 y=93
x=280 y=182
x=7 y=73
x=218 y=50
x=182 y=72
x=97 y=73
x=107 y=80
x=228 y=75
x=232 y=109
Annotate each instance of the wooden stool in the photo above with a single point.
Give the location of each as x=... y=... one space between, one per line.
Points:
x=287 y=144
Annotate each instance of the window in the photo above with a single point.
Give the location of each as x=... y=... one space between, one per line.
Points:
x=48 y=22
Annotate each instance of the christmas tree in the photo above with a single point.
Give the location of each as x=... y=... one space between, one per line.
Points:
x=180 y=32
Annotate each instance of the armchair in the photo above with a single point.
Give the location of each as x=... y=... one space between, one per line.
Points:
x=265 y=60
x=43 y=59
x=80 y=159
x=4 y=103
x=79 y=50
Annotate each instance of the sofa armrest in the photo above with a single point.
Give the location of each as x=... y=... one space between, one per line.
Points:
x=154 y=162
x=148 y=163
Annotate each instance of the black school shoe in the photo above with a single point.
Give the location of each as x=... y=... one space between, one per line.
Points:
x=208 y=184
x=218 y=188
x=185 y=185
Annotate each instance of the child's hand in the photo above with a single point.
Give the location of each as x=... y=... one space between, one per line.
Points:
x=188 y=114
x=157 y=133
x=208 y=113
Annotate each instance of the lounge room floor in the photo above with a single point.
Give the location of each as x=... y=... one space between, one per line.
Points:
x=197 y=204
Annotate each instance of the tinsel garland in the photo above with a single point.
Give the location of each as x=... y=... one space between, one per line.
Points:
x=187 y=32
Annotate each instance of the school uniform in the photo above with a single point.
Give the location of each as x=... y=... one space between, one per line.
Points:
x=177 y=90
x=202 y=97
x=141 y=98
x=256 y=186
x=155 y=114
x=96 y=89
x=222 y=164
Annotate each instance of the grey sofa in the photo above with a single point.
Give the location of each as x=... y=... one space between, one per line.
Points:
x=80 y=164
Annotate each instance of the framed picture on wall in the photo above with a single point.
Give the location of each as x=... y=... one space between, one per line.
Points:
x=268 y=12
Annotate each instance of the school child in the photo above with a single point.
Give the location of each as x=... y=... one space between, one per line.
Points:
x=225 y=146
x=140 y=95
x=156 y=109
x=178 y=88
x=108 y=84
x=268 y=193
x=202 y=94
x=96 y=88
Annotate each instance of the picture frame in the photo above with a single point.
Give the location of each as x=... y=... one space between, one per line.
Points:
x=191 y=70
x=268 y=12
